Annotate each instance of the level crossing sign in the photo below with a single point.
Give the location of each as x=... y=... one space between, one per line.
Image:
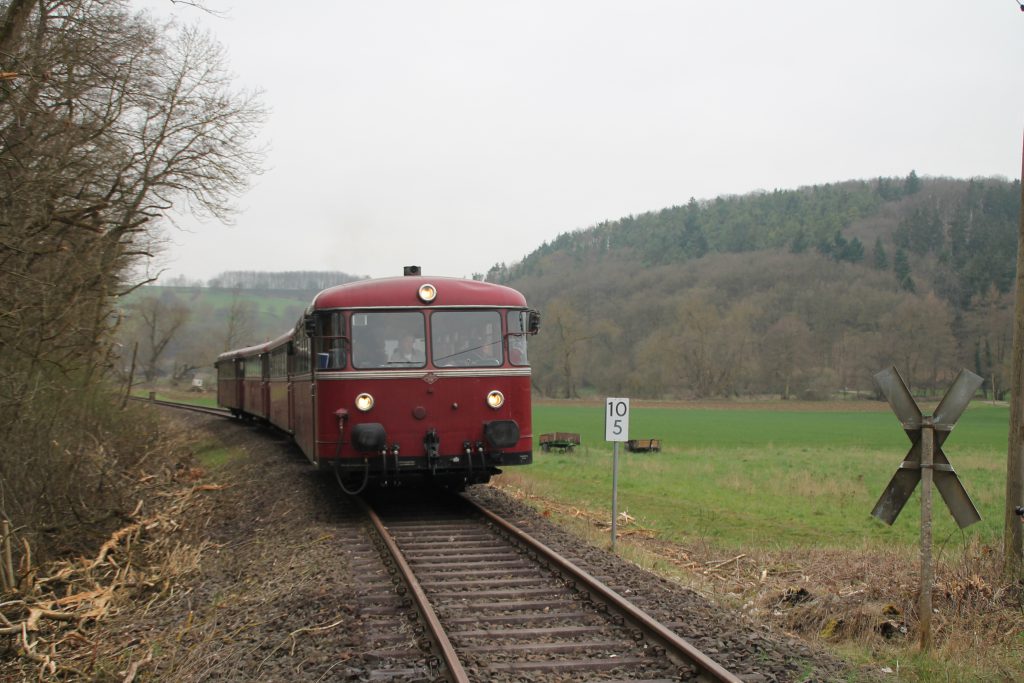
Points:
x=949 y=410
x=926 y=463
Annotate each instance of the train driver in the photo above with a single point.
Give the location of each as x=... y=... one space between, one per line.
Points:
x=406 y=352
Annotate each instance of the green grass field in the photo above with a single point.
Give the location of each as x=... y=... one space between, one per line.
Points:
x=768 y=478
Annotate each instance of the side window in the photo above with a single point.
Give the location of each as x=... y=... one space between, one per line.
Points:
x=300 y=359
x=517 y=332
x=279 y=362
x=331 y=352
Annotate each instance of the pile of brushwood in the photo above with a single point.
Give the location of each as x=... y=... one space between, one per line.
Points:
x=125 y=548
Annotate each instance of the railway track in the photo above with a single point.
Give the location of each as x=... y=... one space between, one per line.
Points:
x=218 y=412
x=475 y=601
x=501 y=606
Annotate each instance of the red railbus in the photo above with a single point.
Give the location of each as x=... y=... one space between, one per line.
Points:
x=397 y=379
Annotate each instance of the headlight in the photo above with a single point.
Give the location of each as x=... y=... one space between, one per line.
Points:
x=495 y=399
x=427 y=293
x=364 y=402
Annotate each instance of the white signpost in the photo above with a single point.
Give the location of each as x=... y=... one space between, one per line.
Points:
x=616 y=430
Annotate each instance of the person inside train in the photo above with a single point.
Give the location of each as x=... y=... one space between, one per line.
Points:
x=406 y=352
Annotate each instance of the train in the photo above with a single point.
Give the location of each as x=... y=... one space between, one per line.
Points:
x=396 y=380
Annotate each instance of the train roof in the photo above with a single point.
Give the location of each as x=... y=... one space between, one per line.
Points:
x=403 y=291
x=256 y=349
x=253 y=350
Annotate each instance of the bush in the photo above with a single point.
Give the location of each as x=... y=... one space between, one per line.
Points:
x=68 y=452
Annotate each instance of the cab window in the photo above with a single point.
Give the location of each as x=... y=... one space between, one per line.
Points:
x=393 y=340
x=466 y=338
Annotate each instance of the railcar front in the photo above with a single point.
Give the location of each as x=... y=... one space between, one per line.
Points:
x=414 y=378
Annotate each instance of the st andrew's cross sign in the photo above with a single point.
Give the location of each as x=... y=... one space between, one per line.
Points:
x=949 y=410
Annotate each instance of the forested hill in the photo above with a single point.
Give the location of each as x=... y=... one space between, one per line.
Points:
x=311 y=281
x=792 y=292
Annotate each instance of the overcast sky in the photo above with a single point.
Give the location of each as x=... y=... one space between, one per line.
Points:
x=456 y=135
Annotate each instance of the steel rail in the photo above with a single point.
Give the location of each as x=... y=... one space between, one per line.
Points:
x=709 y=669
x=219 y=412
x=456 y=673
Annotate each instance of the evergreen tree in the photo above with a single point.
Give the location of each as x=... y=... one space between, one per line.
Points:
x=693 y=240
x=833 y=248
x=887 y=189
x=881 y=258
x=799 y=243
x=841 y=249
x=852 y=252
x=912 y=184
x=959 y=228
x=901 y=267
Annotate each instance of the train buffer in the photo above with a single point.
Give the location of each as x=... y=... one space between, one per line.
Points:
x=559 y=441
x=643 y=445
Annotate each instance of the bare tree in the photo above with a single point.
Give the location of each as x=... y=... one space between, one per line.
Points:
x=239 y=321
x=709 y=345
x=568 y=333
x=123 y=123
x=785 y=349
x=159 y=322
x=107 y=120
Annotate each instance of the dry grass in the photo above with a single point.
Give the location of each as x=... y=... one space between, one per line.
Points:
x=47 y=622
x=859 y=602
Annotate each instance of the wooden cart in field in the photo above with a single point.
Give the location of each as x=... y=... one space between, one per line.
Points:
x=643 y=445
x=559 y=441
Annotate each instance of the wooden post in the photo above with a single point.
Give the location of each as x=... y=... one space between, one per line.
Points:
x=131 y=377
x=924 y=605
x=1013 y=530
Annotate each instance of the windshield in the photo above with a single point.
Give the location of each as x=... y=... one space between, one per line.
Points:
x=388 y=340
x=466 y=338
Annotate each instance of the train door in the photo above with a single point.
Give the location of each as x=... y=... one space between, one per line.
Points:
x=291 y=406
x=265 y=383
x=239 y=383
x=302 y=396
